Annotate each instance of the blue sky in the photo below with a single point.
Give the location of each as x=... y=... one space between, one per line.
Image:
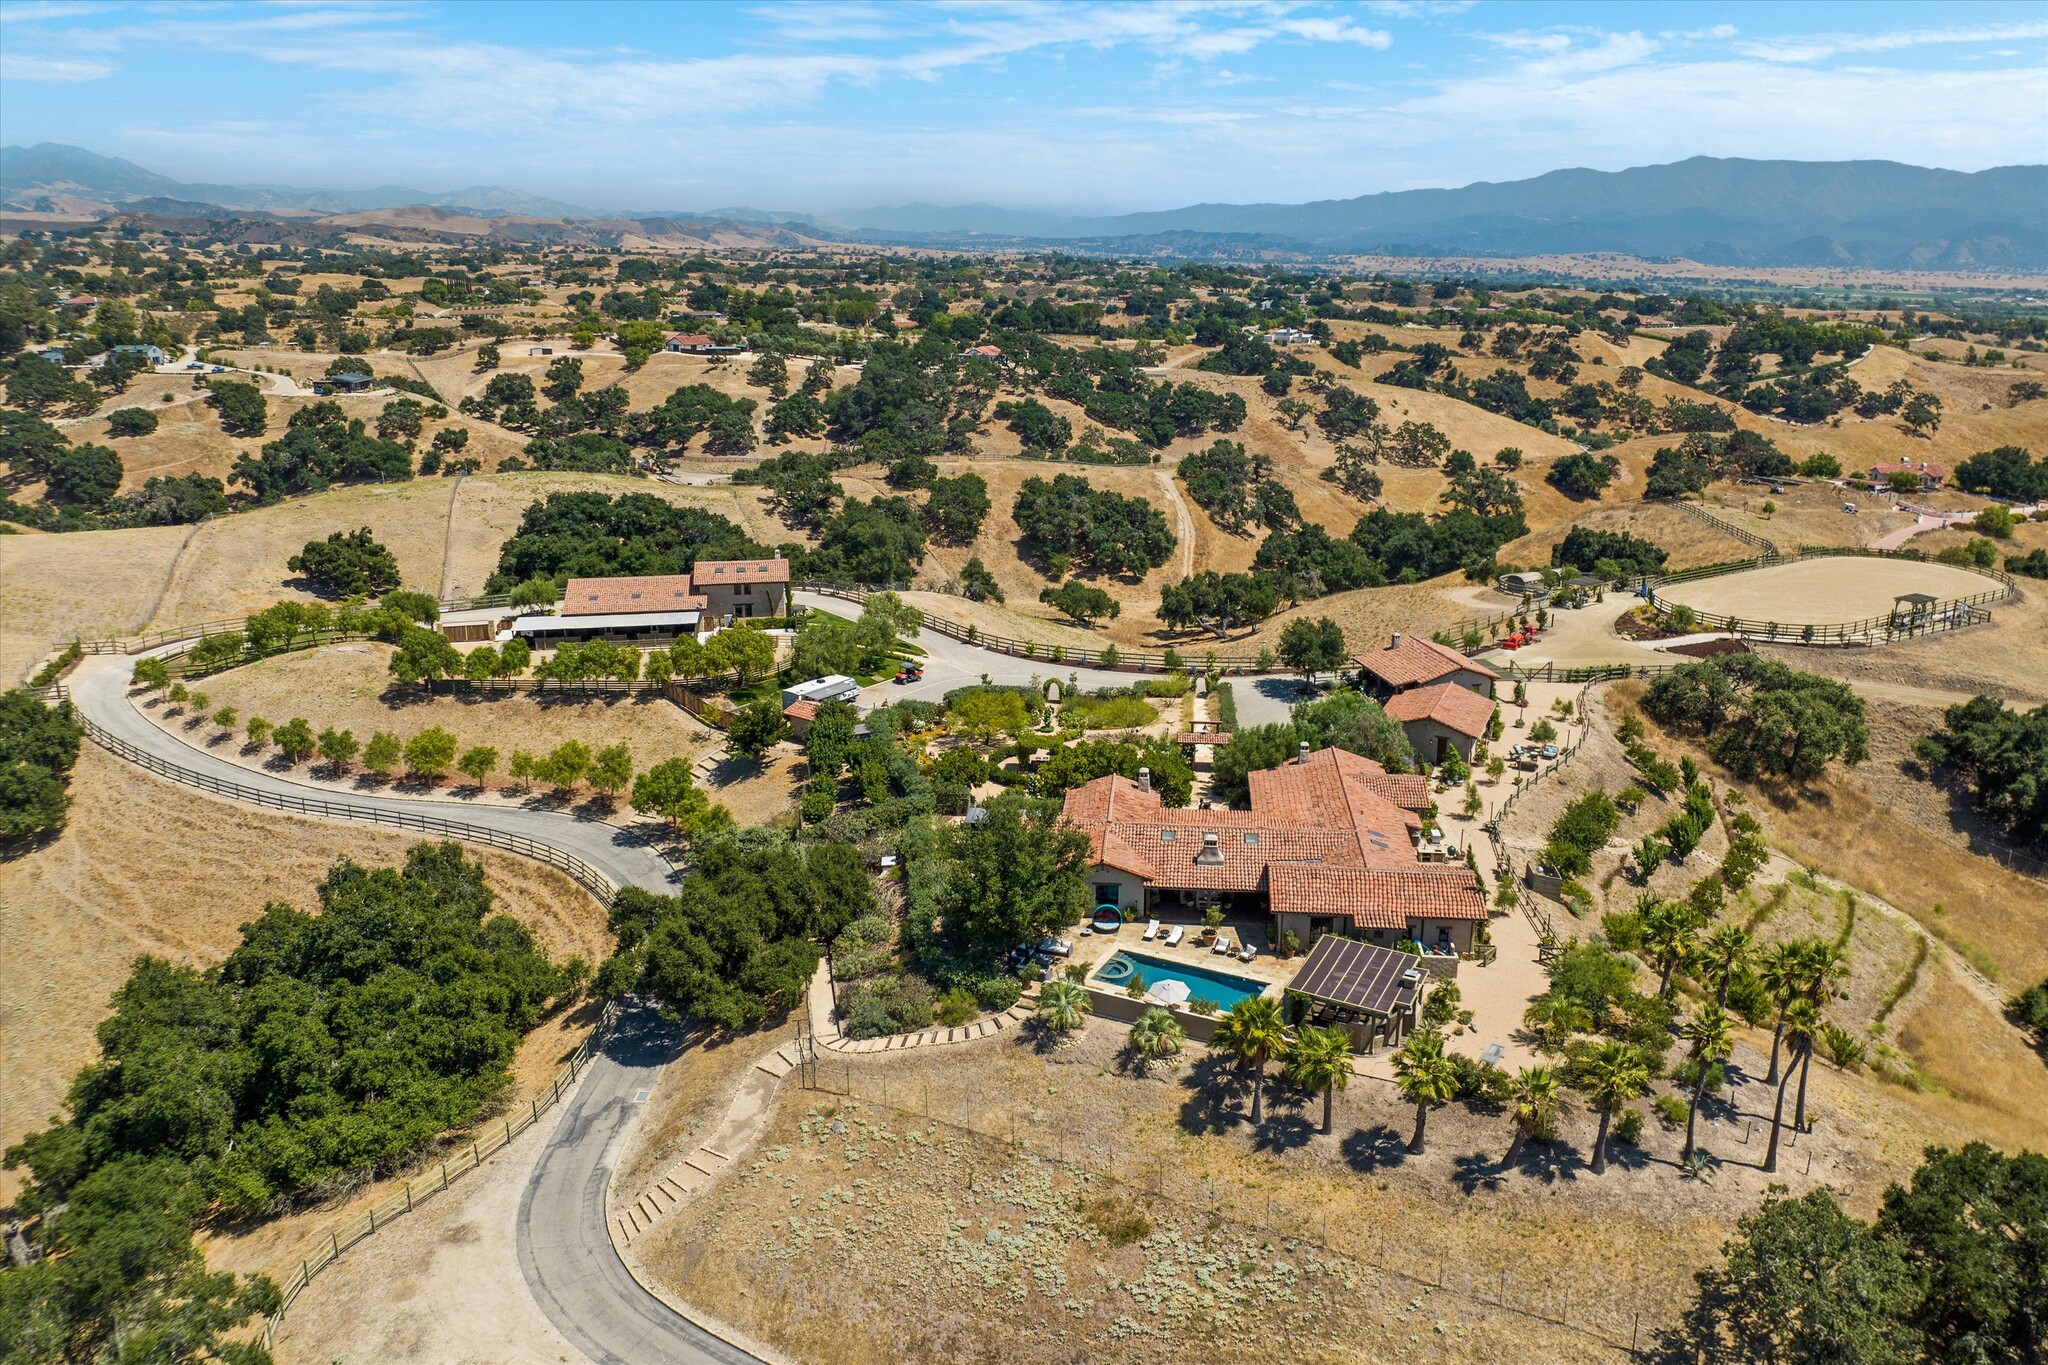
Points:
x=1081 y=106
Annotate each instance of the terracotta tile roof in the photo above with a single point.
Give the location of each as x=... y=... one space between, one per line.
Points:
x=801 y=710
x=1202 y=737
x=1410 y=791
x=1374 y=899
x=1415 y=660
x=658 y=592
x=1332 y=810
x=1113 y=849
x=719 y=572
x=1458 y=708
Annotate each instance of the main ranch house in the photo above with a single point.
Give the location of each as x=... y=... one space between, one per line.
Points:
x=1333 y=842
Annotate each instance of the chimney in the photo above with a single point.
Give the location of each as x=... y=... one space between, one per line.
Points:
x=1144 y=779
x=1397 y=641
x=1302 y=757
x=1212 y=852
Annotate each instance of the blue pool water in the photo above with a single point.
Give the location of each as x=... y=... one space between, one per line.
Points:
x=1225 y=988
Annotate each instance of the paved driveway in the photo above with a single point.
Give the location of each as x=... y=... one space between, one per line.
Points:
x=565 y=1247
x=951 y=663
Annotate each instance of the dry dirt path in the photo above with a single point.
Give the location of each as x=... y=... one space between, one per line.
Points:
x=1183 y=523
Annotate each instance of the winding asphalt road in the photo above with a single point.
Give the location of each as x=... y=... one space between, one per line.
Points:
x=565 y=1248
x=100 y=692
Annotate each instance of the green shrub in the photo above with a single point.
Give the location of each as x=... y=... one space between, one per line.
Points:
x=1671 y=1110
x=1628 y=1126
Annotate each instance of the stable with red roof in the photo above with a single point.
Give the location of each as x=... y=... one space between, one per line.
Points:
x=1441 y=717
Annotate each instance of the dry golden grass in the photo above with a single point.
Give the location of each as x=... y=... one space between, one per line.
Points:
x=1807 y=514
x=851 y=1245
x=144 y=866
x=1689 y=541
x=1871 y=840
x=236 y=564
x=1997 y=1087
x=56 y=588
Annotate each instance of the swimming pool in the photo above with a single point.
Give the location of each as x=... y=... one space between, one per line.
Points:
x=1225 y=988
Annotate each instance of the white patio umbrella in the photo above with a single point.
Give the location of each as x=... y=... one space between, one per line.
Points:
x=1170 y=992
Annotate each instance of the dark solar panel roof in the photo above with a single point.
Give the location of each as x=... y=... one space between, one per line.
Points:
x=1357 y=976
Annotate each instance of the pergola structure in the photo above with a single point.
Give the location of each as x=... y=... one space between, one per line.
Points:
x=1911 y=610
x=1369 y=989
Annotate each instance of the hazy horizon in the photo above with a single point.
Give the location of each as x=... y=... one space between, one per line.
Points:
x=830 y=108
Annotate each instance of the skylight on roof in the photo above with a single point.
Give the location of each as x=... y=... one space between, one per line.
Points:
x=1165 y=836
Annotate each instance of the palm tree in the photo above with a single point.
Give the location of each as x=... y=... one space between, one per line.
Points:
x=1805 y=1023
x=1711 y=1035
x=1320 y=1059
x=1824 y=965
x=1426 y=1077
x=1612 y=1074
x=1780 y=972
x=1253 y=1030
x=1553 y=1018
x=1538 y=1100
x=1156 y=1034
x=1802 y=1027
x=1669 y=938
x=1063 y=1005
x=1727 y=951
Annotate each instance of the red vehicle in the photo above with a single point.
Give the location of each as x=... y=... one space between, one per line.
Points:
x=909 y=673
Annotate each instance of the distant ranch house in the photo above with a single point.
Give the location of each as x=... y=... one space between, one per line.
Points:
x=1410 y=662
x=1441 y=717
x=1931 y=476
x=696 y=343
x=714 y=594
x=1333 y=843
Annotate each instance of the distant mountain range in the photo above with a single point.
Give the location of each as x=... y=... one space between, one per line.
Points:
x=54 y=171
x=1712 y=210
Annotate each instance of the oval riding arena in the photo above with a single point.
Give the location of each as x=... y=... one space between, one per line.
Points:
x=1837 y=599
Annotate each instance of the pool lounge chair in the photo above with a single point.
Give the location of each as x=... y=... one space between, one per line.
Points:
x=1175 y=935
x=1222 y=948
x=1246 y=951
x=1151 y=931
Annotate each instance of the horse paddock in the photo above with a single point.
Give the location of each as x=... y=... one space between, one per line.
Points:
x=1820 y=592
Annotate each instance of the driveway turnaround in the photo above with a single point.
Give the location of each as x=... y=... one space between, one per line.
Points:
x=565 y=1245
x=949 y=664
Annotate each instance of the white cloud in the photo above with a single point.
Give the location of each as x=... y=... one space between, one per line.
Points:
x=1819 y=47
x=16 y=66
